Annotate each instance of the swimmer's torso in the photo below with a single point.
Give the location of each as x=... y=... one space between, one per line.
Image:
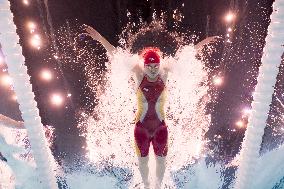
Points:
x=151 y=100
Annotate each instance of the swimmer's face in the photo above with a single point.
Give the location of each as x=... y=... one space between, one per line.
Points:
x=152 y=70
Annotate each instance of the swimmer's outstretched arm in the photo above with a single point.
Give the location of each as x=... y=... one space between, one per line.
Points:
x=98 y=37
x=138 y=71
x=199 y=46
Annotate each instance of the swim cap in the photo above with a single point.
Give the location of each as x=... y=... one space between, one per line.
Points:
x=151 y=56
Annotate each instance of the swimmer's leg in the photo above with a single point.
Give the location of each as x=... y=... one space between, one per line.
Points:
x=160 y=145
x=160 y=170
x=144 y=170
x=142 y=142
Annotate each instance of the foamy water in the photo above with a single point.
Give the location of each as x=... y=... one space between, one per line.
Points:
x=110 y=134
x=20 y=169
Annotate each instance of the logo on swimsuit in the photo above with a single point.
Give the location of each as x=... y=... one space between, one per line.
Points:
x=145 y=89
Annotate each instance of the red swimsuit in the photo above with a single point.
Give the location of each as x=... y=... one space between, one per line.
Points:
x=151 y=126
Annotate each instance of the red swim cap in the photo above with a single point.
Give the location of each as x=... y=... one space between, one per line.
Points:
x=151 y=56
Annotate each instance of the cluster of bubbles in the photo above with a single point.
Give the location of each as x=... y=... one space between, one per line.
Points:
x=109 y=130
x=108 y=127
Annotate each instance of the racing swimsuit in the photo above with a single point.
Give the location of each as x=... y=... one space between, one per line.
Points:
x=150 y=125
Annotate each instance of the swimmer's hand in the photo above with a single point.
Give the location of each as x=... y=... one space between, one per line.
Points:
x=94 y=34
x=90 y=31
x=209 y=40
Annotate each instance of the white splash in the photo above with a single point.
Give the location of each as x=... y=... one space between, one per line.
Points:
x=19 y=170
x=109 y=132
